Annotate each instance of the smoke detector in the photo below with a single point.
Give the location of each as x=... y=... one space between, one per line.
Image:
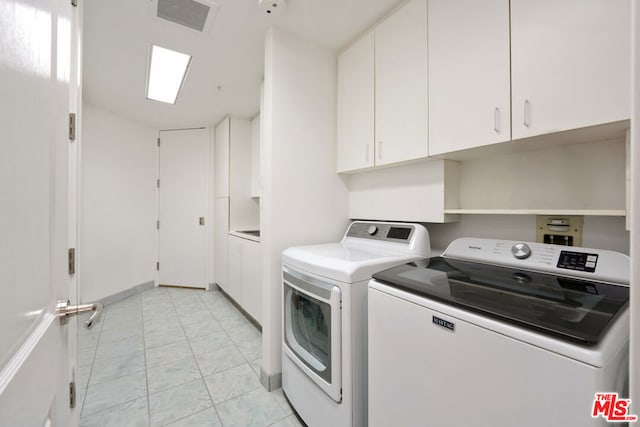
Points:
x=272 y=7
x=196 y=15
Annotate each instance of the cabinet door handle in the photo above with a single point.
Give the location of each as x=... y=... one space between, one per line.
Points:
x=526 y=113
x=366 y=153
x=379 y=150
x=496 y=120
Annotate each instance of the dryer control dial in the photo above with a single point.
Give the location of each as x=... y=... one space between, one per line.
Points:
x=372 y=230
x=521 y=250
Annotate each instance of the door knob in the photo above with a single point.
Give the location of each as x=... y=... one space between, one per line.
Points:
x=64 y=310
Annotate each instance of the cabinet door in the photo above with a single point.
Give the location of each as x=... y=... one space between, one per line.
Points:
x=401 y=85
x=252 y=279
x=255 y=157
x=355 y=105
x=469 y=81
x=243 y=211
x=234 y=278
x=570 y=64
x=220 y=238
x=222 y=158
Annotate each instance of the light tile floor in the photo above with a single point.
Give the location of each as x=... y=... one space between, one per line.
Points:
x=177 y=357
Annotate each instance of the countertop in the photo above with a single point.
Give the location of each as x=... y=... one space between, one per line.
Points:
x=246 y=234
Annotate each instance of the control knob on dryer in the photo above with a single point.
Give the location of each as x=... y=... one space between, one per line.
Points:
x=521 y=250
x=372 y=230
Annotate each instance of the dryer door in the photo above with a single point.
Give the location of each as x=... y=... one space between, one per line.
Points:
x=312 y=329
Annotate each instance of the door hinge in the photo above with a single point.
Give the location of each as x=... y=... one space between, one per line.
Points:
x=72 y=126
x=158 y=225
x=74 y=3
x=158 y=142
x=72 y=394
x=158 y=266
x=158 y=183
x=72 y=261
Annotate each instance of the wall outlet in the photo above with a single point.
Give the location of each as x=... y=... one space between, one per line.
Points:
x=559 y=229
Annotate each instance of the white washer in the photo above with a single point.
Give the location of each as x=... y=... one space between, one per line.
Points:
x=324 y=365
x=498 y=333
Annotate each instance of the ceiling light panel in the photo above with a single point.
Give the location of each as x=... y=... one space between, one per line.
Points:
x=167 y=69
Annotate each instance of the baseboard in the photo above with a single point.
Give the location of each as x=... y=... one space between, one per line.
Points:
x=270 y=382
x=126 y=293
x=239 y=307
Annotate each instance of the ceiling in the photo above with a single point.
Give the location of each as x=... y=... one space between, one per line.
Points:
x=228 y=61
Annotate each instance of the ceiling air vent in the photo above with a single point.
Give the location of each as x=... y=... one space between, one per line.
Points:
x=189 y=13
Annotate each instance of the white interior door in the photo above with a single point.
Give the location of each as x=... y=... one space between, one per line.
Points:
x=183 y=202
x=35 y=66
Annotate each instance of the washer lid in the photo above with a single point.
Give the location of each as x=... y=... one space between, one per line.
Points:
x=567 y=308
x=347 y=261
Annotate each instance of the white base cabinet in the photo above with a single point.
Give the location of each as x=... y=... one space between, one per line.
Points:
x=245 y=275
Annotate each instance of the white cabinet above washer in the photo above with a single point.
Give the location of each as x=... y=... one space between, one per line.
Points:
x=508 y=70
x=469 y=82
x=570 y=64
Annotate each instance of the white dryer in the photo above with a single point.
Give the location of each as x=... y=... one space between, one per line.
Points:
x=324 y=362
x=498 y=333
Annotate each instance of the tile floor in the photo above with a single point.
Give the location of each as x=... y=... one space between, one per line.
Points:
x=176 y=357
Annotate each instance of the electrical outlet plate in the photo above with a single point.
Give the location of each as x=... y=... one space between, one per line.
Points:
x=559 y=229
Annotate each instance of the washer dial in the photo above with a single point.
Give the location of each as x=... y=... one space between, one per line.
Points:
x=521 y=250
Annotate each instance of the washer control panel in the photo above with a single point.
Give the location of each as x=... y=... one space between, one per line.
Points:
x=392 y=232
x=580 y=261
x=595 y=264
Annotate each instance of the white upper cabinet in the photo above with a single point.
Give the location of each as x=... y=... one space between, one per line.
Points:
x=222 y=158
x=469 y=82
x=382 y=93
x=356 y=105
x=401 y=85
x=570 y=64
x=255 y=157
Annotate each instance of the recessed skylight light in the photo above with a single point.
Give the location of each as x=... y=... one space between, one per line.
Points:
x=166 y=73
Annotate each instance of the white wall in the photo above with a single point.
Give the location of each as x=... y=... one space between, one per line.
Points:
x=602 y=232
x=578 y=176
x=118 y=212
x=304 y=201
